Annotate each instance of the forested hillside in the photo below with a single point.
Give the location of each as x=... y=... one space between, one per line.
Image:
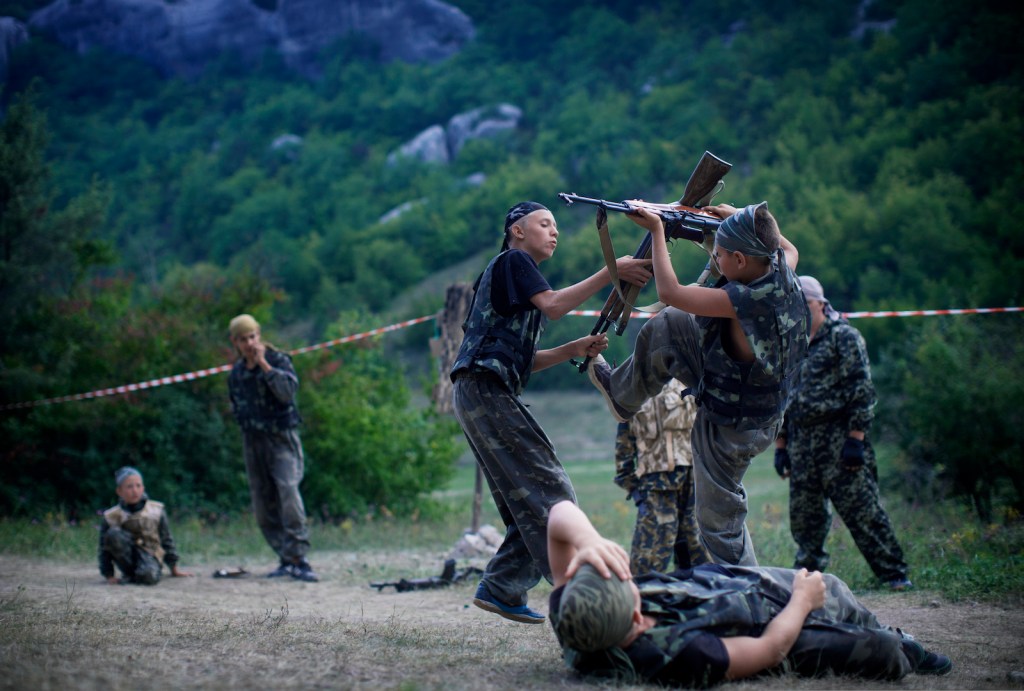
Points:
x=886 y=137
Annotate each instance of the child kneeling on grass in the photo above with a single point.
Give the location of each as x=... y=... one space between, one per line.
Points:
x=135 y=535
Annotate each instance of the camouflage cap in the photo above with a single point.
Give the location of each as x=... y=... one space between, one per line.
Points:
x=595 y=613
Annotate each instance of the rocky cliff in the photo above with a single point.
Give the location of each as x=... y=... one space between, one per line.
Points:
x=180 y=37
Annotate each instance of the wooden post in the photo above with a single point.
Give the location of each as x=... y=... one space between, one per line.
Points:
x=445 y=347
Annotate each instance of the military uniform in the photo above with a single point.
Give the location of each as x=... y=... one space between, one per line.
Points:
x=137 y=538
x=515 y=455
x=264 y=406
x=832 y=395
x=653 y=462
x=696 y=608
x=740 y=404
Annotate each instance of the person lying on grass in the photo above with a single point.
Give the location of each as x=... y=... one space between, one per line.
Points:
x=712 y=623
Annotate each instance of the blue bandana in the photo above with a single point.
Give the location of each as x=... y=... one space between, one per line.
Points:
x=736 y=234
x=121 y=474
x=517 y=212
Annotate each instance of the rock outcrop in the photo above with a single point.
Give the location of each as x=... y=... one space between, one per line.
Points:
x=438 y=144
x=181 y=38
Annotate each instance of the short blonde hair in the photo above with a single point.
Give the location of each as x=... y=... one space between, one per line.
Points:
x=243 y=324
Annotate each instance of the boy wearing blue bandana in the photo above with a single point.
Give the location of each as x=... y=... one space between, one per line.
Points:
x=511 y=305
x=737 y=345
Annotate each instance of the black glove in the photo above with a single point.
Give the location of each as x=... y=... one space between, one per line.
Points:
x=782 y=462
x=852 y=455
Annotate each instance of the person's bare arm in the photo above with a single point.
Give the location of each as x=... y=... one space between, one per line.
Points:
x=749 y=655
x=705 y=302
x=555 y=304
x=573 y=541
x=588 y=346
x=792 y=255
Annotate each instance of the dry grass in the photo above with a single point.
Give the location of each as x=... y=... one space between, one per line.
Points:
x=62 y=627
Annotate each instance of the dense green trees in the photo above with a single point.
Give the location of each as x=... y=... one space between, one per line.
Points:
x=890 y=152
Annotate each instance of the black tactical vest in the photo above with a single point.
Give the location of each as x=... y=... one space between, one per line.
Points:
x=503 y=345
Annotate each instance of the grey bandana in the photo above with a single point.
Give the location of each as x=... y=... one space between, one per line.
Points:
x=813 y=291
x=736 y=234
x=517 y=212
x=121 y=474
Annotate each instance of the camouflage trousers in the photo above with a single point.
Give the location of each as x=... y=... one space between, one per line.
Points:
x=817 y=477
x=275 y=465
x=669 y=345
x=524 y=476
x=666 y=524
x=137 y=565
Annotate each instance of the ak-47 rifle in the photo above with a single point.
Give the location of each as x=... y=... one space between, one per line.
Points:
x=448 y=576
x=683 y=219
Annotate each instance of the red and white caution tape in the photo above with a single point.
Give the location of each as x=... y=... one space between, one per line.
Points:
x=852 y=315
x=199 y=374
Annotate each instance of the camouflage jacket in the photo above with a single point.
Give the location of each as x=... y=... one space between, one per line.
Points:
x=147 y=523
x=773 y=314
x=656 y=441
x=265 y=401
x=834 y=380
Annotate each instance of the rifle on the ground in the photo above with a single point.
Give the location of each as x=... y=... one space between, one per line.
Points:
x=683 y=219
x=448 y=576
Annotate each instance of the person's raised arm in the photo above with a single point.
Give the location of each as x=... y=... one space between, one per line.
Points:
x=555 y=304
x=573 y=541
x=792 y=255
x=749 y=655
x=706 y=302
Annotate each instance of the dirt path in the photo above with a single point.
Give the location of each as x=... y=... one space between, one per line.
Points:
x=61 y=627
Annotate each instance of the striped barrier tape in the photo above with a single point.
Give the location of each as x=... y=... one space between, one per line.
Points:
x=199 y=374
x=853 y=315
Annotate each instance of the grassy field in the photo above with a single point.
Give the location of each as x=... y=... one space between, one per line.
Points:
x=947 y=548
x=61 y=626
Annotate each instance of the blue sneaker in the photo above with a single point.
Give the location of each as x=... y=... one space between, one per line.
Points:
x=283 y=569
x=900 y=584
x=523 y=614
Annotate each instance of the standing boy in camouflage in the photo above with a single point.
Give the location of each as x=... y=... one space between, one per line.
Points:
x=511 y=305
x=824 y=450
x=653 y=461
x=262 y=387
x=737 y=345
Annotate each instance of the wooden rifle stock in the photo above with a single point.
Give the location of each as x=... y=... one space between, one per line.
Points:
x=683 y=219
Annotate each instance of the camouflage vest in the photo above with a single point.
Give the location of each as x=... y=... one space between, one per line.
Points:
x=662 y=431
x=503 y=345
x=143 y=525
x=255 y=406
x=773 y=314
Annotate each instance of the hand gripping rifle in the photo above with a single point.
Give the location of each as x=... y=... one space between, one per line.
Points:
x=683 y=219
